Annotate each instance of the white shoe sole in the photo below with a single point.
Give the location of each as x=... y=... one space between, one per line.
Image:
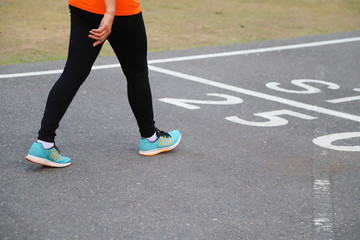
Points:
x=45 y=162
x=160 y=150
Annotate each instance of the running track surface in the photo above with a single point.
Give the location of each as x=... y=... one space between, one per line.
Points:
x=270 y=147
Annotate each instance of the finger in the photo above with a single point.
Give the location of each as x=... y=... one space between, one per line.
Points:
x=100 y=35
x=97 y=31
x=96 y=34
x=98 y=42
x=94 y=37
x=97 y=38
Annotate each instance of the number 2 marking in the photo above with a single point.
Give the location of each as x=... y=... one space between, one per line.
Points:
x=186 y=103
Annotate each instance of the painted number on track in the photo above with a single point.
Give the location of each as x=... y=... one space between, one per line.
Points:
x=276 y=118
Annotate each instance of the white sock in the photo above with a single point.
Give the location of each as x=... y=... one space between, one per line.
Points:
x=153 y=138
x=46 y=145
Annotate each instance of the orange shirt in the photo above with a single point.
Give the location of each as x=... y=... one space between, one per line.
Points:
x=123 y=7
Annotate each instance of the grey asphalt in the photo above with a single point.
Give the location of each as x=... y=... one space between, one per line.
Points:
x=226 y=180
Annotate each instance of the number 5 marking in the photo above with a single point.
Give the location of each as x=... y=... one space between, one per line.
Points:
x=185 y=103
x=274 y=120
x=326 y=141
x=301 y=83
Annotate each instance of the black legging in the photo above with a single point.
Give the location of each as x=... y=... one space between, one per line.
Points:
x=128 y=40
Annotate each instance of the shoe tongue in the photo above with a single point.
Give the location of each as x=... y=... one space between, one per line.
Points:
x=162 y=133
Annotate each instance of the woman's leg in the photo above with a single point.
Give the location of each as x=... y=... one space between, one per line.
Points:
x=128 y=39
x=81 y=57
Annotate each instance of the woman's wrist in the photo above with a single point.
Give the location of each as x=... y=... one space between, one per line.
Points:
x=110 y=12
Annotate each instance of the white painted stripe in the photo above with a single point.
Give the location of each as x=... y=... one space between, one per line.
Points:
x=116 y=65
x=321 y=185
x=202 y=56
x=51 y=72
x=259 y=50
x=29 y=74
x=285 y=101
x=345 y=99
x=322 y=221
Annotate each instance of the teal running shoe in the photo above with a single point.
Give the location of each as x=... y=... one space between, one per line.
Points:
x=165 y=142
x=47 y=157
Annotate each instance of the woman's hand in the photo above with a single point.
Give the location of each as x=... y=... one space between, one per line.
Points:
x=100 y=34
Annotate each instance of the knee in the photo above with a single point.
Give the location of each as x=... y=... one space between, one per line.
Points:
x=74 y=76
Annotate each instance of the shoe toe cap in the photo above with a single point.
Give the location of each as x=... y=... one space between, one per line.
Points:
x=65 y=160
x=175 y=134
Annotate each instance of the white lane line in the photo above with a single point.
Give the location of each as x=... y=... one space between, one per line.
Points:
x=345 y=99
x=51 y=72
x=30 y=74
x=285 y=101
x=202 y=56
x=259 y=50
x=322 y=221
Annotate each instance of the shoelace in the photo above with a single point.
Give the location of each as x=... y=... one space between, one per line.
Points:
x=162 y=134
x=55 y=154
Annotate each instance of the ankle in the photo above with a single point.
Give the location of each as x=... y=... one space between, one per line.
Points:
x=153 y=138
x=46 y=145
